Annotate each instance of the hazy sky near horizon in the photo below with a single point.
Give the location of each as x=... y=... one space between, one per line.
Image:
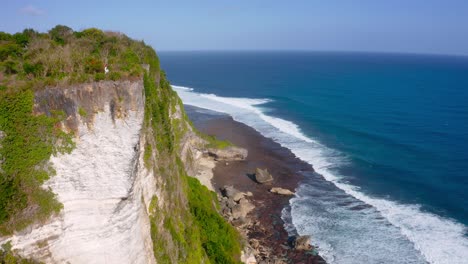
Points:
x=415 y=26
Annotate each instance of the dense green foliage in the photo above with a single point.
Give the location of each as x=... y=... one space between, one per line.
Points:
x=219 y=239
x=189 y=229
x=175 y=238
x=62 y=56
x=26 y=148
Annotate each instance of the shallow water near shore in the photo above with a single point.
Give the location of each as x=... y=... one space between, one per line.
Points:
x=385 y=133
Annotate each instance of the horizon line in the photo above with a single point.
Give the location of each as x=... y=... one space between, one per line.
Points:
x=317 y=51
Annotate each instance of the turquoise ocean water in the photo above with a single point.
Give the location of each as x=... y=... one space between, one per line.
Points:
x=386 y=133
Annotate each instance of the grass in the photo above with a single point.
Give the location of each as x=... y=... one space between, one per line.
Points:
x=189 y=229
x=213 y=142
x=219 y=239
x=82 y=112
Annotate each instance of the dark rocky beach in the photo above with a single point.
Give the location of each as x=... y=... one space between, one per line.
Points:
x=263 y=226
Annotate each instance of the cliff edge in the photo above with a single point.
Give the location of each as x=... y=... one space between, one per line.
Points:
x=109 y=179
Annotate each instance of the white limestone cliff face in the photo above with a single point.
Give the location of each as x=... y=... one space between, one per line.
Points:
x=103 y=185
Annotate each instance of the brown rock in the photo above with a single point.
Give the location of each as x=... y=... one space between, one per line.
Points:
x=254 y=243
x=301 y=243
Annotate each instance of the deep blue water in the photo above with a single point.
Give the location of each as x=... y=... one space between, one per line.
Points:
x=397 y=125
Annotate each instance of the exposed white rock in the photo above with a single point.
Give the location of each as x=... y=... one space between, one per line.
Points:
x=105 y=190
x=282 y=191
x=204 y=173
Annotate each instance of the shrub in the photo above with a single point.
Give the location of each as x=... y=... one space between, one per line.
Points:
x=11 y=66
x=34 y=69
x=60 y=33
x=7 y=256
x=94 y=65
x=99 y=76
x=82 y=112
x=10 y=50
x=115 y=76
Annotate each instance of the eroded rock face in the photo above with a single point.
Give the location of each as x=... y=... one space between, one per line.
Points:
x=82 y=102
x=262 y=176
x=103 y=184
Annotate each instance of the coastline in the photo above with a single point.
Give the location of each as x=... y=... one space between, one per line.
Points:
x=267 y=226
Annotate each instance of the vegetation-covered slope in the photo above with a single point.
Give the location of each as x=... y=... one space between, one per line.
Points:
x=63 y=56
x=187 y=228
x=185 y=224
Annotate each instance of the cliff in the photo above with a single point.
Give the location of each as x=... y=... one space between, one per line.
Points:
x=115 y=176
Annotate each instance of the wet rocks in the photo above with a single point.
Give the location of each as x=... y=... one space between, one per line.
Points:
x=262 y=176
x=300 y=242
x=281 y=191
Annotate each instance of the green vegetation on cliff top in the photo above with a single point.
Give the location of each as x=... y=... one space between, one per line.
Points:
x=63 y=56
x=188 y=228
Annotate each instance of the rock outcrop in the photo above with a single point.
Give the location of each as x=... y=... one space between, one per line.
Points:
x=300 y=242
x=235 y=205
x=262 y=176
x=282 y=191
x=228 y=153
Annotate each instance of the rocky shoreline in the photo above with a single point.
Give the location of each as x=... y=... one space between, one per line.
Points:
x=253 y=191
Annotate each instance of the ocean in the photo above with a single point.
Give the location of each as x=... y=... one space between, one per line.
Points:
x=387 y=135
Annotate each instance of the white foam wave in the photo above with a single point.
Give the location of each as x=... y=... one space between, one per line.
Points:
x=183 y=88
x=438 y=239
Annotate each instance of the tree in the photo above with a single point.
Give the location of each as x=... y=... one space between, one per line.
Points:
x=60 y=34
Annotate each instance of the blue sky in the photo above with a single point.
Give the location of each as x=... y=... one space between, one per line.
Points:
x=415 y=26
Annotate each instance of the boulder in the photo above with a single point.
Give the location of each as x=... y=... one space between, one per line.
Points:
x=300 y=242
x=248 y=256
x=262 y=176
x=281 y=191
x=229 y=153
x=242 y=209
x=232 y=193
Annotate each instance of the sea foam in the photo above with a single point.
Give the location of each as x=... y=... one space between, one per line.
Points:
x=391 y=228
